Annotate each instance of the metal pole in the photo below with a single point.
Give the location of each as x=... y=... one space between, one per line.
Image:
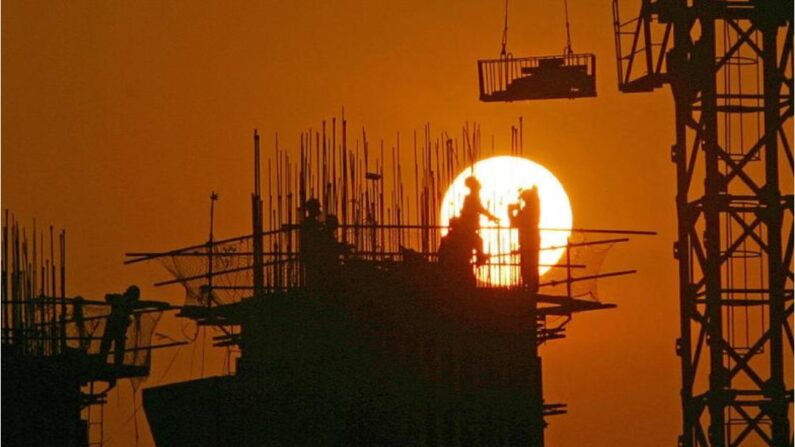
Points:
x=256 y=216
x=772 y=201
x=213 y=198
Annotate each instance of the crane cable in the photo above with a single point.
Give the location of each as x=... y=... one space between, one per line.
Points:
x=567 y=51
x=504 y=53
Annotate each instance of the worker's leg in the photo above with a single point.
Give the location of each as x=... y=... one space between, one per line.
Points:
x=534 y=279
x=525 y=268
x=533 y=255
x=104 y=346
x=118 y=353
x=480 y=257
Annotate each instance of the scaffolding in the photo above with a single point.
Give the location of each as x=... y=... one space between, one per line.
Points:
x=56 y=377
x=381 y=269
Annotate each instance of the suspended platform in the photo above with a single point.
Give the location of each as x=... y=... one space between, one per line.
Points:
x=509 y=79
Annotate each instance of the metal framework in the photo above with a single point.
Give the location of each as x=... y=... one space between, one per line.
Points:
x=546 y=314
x=511 y=78
x=53 y=360
x=382 y=239
x=729 y=65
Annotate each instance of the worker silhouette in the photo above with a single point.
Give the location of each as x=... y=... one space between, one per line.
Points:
x=525 y=217
x=470 y=217
x=318 y=244
x=83 y=339
x=455 y=255
x=122 y=308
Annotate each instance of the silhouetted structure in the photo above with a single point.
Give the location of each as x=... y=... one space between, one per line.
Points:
x=52 y=364
x=402 y=345
x=510 y=79
x=390 y=353
x=546 y=77
x=729 y=66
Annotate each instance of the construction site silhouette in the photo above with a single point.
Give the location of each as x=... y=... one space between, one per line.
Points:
x=359 y=309
x=63 y=355
x=369 y=330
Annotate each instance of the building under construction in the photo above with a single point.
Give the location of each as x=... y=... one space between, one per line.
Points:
x=350 y=328
x=348 y=321
x=62 y=354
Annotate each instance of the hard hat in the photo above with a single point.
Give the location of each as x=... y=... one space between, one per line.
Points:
x=312 y=205
x=133 y=292
x=528 y=193
x=472 y=182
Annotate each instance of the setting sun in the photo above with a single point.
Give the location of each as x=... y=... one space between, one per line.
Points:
x=502 y=178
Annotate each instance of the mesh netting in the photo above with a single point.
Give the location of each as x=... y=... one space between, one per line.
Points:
x=86 y=328
x=588 y=259
x=231 y=265
x=139 y=340
x=85 y=332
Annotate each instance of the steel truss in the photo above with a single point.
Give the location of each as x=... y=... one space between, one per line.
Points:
x=729 y=65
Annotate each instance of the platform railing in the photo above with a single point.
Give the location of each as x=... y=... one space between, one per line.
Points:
x=284 y=262
x=496 y=75
x=640 y=49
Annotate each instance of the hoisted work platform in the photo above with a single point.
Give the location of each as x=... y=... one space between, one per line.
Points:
x=545 y=77
x=569 y=75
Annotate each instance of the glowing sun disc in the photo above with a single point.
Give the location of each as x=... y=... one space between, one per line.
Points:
x=502 y=178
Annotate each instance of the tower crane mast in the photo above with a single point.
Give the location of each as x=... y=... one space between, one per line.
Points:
x=729 y=67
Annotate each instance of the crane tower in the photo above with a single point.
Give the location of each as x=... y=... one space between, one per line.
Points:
x=729 y=66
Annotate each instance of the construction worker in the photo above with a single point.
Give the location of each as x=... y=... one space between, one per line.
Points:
x=455 y=254
x=83 y=338
x=470 y=216
x=122 y=307
x=318 y=245
x=526 y=220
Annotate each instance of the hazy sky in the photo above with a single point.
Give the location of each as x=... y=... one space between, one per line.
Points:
x=119 y=118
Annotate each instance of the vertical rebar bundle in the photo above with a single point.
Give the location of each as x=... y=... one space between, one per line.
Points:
x=34 y=289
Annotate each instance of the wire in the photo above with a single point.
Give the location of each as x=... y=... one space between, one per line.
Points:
x=568 y=49
x=138 y=406
x=503 y=52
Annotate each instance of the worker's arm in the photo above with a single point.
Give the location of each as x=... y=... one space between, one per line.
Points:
x=113 y=298
x=513 y=209
x=486 y=213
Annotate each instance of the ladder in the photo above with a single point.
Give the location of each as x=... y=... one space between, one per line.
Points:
x=96 y=420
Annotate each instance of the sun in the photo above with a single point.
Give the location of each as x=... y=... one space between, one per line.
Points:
x=502 y=178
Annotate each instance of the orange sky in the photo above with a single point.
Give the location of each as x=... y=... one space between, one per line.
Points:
x=119 y=118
